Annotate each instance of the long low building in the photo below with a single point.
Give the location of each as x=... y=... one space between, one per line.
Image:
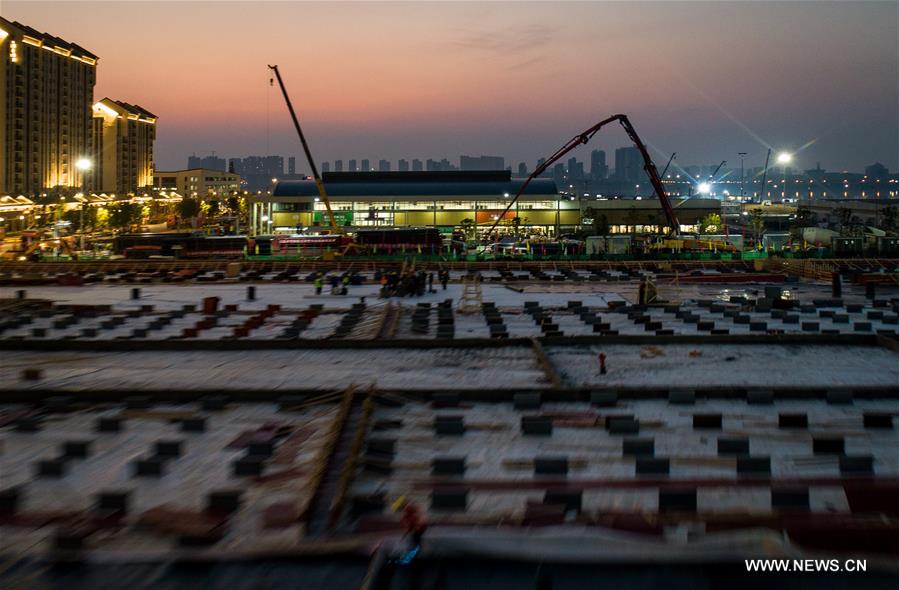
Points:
x=396 y=199
x=447 y=199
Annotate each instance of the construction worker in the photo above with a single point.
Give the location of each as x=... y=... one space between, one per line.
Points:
x=345 y=282
x=318 y=284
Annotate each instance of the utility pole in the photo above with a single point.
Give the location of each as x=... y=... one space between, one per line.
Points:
x=742 y=175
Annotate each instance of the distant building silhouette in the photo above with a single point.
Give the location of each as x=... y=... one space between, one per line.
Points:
x=522 y=169
x=258 y=171
x=575 y=171
x=628 y=165
x=559 y=175
x=212 y=162
x=403 y=165
x=482 y=162
x=383 y=166
x=599 y=170
x=291 y=165
x=546 y=173
x=325 y=167
x=877 y=171
x=351 y=166
x=416 y=165
x=366 y=166
x=338 y=165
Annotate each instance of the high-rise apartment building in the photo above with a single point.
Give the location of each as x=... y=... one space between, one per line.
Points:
x=338 y=165
x=46 y=96
x=575 y=171
x=212 y=162
x=291 y=165
x=598 y=167
x=628 y=165
x=417 y=165
x=366 y=166
x=482 y=163
x=123 y=138
x=383 y=166
x=351 y=166
x=266 y=166
x=402 y=165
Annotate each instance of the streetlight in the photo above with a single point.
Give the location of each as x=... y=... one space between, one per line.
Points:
x=784 y=158
x=84 y=165
x=742 y=175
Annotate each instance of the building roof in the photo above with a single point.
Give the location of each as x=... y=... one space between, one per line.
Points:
x=134 y=108
x=48 y=38
x=126 y=108
x=416 y=184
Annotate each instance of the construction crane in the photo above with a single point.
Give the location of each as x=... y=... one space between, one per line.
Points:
x=715 y=173
x=582 y=139
x=671 y=159
x=323 y=195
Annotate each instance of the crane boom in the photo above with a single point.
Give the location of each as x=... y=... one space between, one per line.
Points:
x=315 y=175
x=665 y=169
x=581 y=139
x=715 y=173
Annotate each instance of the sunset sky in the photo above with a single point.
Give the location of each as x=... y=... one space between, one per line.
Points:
x=399 y=79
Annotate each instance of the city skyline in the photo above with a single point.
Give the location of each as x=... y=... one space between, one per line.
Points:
x=447 y=88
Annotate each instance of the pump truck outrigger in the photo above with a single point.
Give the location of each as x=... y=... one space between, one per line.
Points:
x=583 y=138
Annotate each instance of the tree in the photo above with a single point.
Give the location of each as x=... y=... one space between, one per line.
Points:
x=601 y=226
x=188 y=208
x=844 y=217
x=469 y=229
x=805 y=217
x=124 y=215
x=233 y=203
x=214 y=208
x=888 y=218
x=710 y=224
x=74 y=218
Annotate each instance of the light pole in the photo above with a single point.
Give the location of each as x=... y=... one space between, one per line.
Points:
x=742 y=175
x=84 y=165
x=784 y=158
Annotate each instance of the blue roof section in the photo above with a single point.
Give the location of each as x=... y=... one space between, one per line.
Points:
x=306 y=188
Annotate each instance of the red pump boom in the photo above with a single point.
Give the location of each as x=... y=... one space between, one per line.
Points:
x=583 y=138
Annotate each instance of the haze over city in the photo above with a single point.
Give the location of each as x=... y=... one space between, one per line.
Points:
x=401 y=80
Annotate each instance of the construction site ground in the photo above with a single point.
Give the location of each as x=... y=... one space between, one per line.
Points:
x=282 y=422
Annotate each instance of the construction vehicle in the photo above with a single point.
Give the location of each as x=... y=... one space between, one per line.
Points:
x=581 y=139
x=31 y=245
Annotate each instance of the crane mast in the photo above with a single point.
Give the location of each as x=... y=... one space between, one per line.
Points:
x=315 y=175
x=585 y=136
